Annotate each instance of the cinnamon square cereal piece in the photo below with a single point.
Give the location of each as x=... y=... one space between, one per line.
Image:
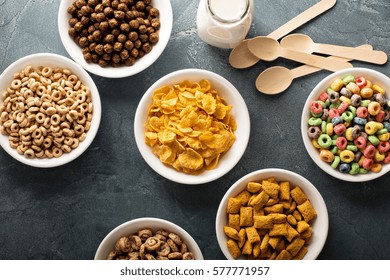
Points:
x=256 y=249
x=284 y=255
x=243 y=197
x=277 y=208
x=279 y=230
x=233 y=248
x=272 y=201
x=246 y=216
x=295 y=246
x=291 y=233
x=241 y=237
x=298 y=195
x=307 y=233
x=262 y=222
x=307 y=211
x=231 y=232
x=253 y=187
x=260 y=200
x=234 y=221
x=301 y=253
x=277 y=218
x=281 y=245
x=258 y=212
x=302 y=226
x=233 y=205
x=247 y=248
x=273 y=255
x=272 y=189
x=265 y=243
x=252 y=235
x=297 y=215
x=274 y=240
x=284 y=193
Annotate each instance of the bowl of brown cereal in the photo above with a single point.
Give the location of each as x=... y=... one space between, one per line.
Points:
x=272 y=214
x=192 y=126
x=50 y=110
x=148 y=239
x=115 y=39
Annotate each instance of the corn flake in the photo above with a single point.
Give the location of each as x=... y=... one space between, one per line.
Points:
x=189 y=126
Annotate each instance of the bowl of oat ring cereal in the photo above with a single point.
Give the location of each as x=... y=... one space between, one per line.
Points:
x=112 y=38
x=272 y=214
x=192 y=126
x=50 y=110
x=148 y=239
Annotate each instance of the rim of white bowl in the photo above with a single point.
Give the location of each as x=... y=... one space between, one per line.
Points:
x=166 y=18
x=320 y=233
x=107 y=244
x=239 y=110
x=383 y=80
x=54 y=60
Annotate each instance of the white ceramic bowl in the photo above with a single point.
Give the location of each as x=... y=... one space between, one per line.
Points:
x=166 y=19
x=53 y=60
x=320 y=224
x=132 y=226
x=239 y=111
x=376 y=78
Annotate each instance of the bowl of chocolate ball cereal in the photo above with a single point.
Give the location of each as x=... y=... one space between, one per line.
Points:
x=148 y=239
x=50 y=110
x=272 y=214
x=345 y=124
x=115 y=38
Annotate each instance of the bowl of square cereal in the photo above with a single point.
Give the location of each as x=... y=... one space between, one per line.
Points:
x=115 y=39
x=272 y=214
x=345 y=125
x=148 y=239
x=50 y=110
x=192 y=126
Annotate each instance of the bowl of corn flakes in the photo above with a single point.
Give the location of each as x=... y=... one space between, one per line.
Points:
x=345 y=124
x=192 y=126
x=272 y=214
x=50 y=110
x=148 y=239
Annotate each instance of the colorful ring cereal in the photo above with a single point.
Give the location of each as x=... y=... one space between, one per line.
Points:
x=354 y=135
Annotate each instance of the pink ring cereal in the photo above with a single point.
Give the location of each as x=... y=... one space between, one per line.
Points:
x=341 y=143
x=316 y=107
x=353 y=118
x=362 y=112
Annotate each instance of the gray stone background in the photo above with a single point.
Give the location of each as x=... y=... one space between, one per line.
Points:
x=64 y=213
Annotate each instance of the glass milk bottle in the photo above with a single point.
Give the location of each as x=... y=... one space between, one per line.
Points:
x=224 y=23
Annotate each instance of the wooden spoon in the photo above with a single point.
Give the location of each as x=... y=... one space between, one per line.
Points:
x=269 y=49
x=241 y=57
x=277 y=79
x=304 y=43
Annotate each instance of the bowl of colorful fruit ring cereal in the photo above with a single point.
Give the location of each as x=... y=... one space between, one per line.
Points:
x=148 y=239
x=50 y=110
x=192 y=126
x=272 y=214
x=345 y=124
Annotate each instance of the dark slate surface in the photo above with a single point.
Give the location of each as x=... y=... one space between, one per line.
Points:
x=64 y=213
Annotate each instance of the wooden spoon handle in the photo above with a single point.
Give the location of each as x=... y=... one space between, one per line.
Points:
x=307 y=69
x=302 y=18
x=377 y=57
x=315 y=60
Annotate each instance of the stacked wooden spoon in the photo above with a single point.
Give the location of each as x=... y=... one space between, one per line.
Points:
x=300 y=48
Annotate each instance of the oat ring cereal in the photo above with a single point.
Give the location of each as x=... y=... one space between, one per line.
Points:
x=45 y=112
x=189 y=126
